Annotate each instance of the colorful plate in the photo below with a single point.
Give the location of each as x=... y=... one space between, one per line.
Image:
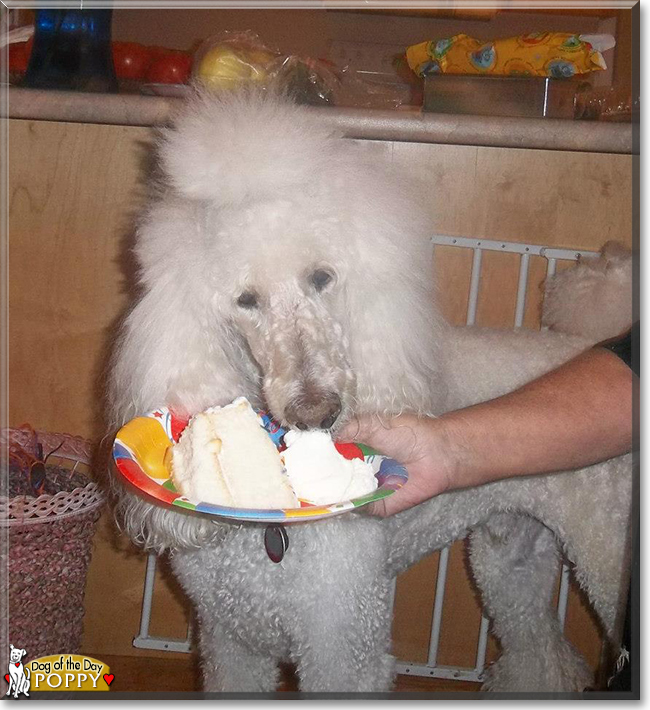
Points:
x=140 y=452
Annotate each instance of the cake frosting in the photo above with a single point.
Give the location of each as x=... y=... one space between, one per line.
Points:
x=319 y=474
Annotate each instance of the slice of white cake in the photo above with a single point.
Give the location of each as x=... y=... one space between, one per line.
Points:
x=225 y=457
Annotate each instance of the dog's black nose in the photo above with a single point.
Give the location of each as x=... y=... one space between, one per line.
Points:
x=329 y=421
x=314 y=413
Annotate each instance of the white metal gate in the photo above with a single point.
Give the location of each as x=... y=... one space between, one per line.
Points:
x=431 y=668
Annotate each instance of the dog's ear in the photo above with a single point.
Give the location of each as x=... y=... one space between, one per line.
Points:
x=391 y=301
x=11 y=646
x=168 y=355
x=176 y=347
x=24 y=653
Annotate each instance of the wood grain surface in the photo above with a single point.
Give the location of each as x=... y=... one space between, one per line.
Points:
x=74 y=190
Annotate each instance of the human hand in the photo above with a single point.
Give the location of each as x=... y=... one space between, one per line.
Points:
x=418 y=443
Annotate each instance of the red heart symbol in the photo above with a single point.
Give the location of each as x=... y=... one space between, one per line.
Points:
x=7 y=677
x=17 y=664
x=108 y=677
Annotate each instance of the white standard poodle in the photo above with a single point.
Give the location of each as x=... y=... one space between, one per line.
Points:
x=277 y=263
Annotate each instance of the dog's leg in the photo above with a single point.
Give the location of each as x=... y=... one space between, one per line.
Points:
x=432 y=525
x=340 y=612
x=599 y=543
x=514 y=560
x=229 y=666
x=599 y=546
x=235 y=654
x=346 y=645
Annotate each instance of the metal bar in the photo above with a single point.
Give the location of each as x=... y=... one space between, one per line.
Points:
x=436 y=624
x=488 y=245
x=447 y=672
x=474 y=285
x=162 y=644
x=550 y=267
x=568 y=254
x=545 y=109
x=564 y=595
x=521 y=290
x=512 y=247
x=147 y=596
x=482 y=644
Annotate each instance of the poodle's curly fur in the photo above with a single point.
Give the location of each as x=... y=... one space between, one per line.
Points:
x=261 y=200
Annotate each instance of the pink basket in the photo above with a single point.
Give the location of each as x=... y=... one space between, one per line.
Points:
x=49 y=548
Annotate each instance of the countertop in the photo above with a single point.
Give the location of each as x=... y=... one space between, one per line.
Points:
x=369 y=124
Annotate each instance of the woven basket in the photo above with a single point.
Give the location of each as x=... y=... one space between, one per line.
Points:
x=50 y=544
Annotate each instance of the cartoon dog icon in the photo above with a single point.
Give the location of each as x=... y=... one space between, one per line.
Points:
x=19 y=676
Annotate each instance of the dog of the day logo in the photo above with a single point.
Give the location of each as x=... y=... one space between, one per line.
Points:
x=59 y=672
x=18 y=677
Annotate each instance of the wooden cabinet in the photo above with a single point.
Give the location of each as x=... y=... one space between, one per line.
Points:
x=73 y=192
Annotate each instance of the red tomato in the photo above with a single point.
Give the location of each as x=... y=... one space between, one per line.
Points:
x=174 y=68
x=18 y=58
x=19 y=54
x=156 y=52
x=131 y=60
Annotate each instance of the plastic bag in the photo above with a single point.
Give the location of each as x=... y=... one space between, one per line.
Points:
x=380 y=89
x=235 y=58
x=556 y=54
x=230 y=59
x=607 y=104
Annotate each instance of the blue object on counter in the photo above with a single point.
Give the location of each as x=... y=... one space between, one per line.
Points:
x=72 y=50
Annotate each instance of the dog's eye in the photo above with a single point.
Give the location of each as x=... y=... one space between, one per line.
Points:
x=321 y=278
x=248 y=299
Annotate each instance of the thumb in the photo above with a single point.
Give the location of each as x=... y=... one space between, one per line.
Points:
x=362 y=430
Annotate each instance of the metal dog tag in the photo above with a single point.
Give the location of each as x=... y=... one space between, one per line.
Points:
x=276 y=542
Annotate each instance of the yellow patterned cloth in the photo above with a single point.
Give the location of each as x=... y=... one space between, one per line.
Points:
x=556 y=54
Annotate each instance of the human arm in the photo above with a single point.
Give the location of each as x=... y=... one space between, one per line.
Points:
x=574 y=416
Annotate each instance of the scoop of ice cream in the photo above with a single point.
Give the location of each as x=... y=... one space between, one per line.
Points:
x=319 y=474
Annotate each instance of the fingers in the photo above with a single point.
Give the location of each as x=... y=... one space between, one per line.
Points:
x=402 y=438
x=396 y=437
x=387 y=506
x=350 y=431
x=377 y=509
